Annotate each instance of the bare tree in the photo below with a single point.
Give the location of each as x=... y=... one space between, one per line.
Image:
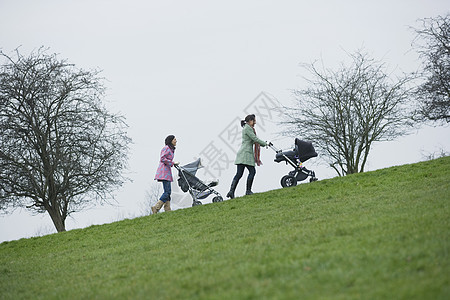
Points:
x=60 y=149
x=345 y=111
x=433 y=44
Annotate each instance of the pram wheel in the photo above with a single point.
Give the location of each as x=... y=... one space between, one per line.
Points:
x=288 y=181
x=217 y=199
x=312 y=179
x=195 y=203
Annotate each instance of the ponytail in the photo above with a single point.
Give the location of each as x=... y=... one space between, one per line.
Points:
x=247 y=119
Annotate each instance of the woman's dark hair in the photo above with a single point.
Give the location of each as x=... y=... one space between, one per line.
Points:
x=248 y=119
x=169 y=140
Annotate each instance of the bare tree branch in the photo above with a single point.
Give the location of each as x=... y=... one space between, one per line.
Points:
x=433 y=44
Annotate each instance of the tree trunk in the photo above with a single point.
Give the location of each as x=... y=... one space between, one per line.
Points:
x=57 y=219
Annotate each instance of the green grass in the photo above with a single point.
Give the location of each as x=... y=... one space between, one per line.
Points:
x=376 y=235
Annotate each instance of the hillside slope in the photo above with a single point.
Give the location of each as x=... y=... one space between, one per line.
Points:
x=376 y=235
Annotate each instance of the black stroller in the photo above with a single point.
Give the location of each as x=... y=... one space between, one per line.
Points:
x=197 y=188
x=301 y=153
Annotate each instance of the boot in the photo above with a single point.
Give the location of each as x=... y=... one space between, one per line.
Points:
x=167 y=206
x=234 y=184
x=157 y=207
x=249 y=187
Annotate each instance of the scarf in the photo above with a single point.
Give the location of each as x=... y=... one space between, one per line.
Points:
x=257 y=152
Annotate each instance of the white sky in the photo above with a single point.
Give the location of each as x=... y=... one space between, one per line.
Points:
x=190 y=68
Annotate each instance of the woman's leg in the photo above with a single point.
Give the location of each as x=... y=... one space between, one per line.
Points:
x=234 y=183
x=251 y=176
x=167 y=206
x=167 y=186
x=165 y=197
x=251 y=172
x=239 y=172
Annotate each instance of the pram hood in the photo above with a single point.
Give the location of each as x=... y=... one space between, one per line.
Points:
x=193 y=166
x=303 y=151
x=188 y=181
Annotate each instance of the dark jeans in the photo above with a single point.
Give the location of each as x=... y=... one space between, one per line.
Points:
x=167 y=186
x=240 y=172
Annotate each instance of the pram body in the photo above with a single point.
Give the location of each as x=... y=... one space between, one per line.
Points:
x=302 y=152
x=198 y=189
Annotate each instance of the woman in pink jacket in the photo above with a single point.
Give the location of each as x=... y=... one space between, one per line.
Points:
x=164 y=173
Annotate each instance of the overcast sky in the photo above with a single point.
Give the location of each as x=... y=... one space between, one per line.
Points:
x=194 y=68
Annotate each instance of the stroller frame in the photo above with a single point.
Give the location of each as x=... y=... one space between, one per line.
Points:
x=197 y=188
x=299 y=173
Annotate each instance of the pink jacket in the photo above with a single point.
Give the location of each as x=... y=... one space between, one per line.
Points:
x=164 y=171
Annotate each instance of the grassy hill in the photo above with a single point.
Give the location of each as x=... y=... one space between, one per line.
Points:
x=376 y=235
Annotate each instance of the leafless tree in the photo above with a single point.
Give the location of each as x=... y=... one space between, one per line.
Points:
x=433 y=43
x=61 y=151
x=438 y=153
x=345 y=111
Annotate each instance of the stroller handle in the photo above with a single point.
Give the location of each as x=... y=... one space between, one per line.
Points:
x=274 y=148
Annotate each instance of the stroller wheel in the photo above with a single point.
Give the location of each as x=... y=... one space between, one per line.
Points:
x=312 y=179
x=195 y=203
x=217 y=199
x=288 y=181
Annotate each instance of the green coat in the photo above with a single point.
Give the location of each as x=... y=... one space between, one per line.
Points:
x=246 y=153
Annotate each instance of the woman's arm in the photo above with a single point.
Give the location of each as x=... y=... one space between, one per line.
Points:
x=166 y=157
x=251 y=134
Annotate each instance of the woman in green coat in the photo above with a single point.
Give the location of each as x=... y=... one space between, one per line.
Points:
x=247 y=155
